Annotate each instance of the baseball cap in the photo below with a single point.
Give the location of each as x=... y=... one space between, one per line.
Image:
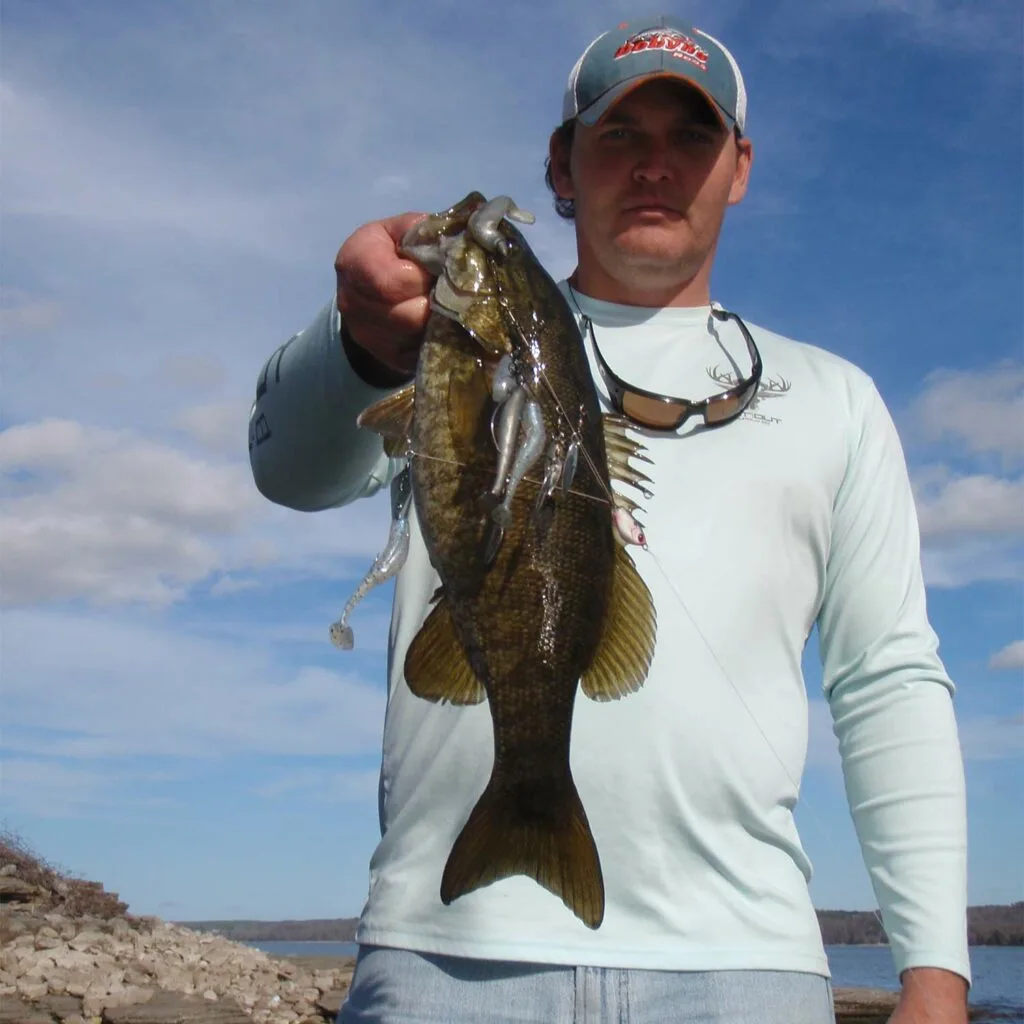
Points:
x=637 y=51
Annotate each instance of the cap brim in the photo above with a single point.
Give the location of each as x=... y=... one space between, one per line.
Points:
x=600 y=107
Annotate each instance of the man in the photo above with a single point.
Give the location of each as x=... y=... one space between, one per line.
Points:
x=783 y=506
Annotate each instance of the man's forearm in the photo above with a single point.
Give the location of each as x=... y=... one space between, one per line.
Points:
x=305 y=449
x=931 y=995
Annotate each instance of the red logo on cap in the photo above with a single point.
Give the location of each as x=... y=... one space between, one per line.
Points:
x=670 y=41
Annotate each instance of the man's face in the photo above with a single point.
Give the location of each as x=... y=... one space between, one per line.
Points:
x=651 y=184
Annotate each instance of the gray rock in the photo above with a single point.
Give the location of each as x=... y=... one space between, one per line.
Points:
x=31 y=988
x=14 y=1010
x=170 y=1008
x=15 y=890
x=77 y=983
x=15 y=925
x=60 y=1006
x=330 y=1002
x=72 y=959
x=89 y=940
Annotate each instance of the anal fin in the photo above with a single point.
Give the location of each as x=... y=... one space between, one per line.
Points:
x=623 y=657
x=436 y=666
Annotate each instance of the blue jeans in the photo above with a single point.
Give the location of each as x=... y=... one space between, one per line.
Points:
x=396 y=986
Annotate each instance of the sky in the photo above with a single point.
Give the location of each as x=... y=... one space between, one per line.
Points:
x=176 y=181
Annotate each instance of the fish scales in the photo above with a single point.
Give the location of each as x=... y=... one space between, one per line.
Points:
x=529 y=622
x=522 y=622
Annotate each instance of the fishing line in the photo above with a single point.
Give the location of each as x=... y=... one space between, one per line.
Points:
x=526 y=479
x=680 y=600
x=610 y=500
x=796 y=784
x=573 y=431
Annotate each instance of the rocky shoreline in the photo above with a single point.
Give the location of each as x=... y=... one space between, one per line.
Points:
x=71 y=954
x=146 y=971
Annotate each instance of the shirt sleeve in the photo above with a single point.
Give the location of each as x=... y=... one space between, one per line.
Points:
x=305 y=448
x=892 y=704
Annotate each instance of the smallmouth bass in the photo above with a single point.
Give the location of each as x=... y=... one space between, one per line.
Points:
x=510 y=463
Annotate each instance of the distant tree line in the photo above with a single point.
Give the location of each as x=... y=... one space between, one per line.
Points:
x=996 y=926
x=986 y=926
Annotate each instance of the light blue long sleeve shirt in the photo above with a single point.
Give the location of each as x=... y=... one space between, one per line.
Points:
x=799 y=513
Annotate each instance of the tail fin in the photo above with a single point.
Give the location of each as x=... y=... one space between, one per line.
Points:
x=556 y=849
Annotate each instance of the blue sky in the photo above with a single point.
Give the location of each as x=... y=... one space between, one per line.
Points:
x=177 y=179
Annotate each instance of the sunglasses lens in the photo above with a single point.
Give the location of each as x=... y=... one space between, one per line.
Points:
x=728 y=406
x=722 y=409
x=654 y=413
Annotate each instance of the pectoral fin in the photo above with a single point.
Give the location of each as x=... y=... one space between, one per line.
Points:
x=436 y=666
x=624 y=655
x=391 y=417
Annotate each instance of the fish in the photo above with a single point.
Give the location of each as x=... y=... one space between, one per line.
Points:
x=511 y=462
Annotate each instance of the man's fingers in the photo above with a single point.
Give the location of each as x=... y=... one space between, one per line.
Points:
x=382 y=297
x=369 y=264
x=397 y=226
x=403 y=319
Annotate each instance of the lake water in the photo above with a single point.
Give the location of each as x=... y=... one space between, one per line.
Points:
x=998 y=970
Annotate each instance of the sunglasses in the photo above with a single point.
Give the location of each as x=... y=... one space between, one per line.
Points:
x=663 y=412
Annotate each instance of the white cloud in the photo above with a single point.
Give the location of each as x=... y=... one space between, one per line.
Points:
x=972 y=519
x=99 y=686
x=972 y=561
x=969 y=505
x=942 y=23
x=972 y=526
x=393 y=185
x=219 y=427
x=112 y=517
x=191 y=372
x=53 y=789
x=232 y=585
x=111 y=172
x=49 y=788
x=992 y=737
x=1011 y=657
x=24 y=313
x=109 y=516
x=980 y=411
x=322 y=786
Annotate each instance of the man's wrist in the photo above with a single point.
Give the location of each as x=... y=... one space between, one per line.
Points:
x=933 y=994
x=369 y=369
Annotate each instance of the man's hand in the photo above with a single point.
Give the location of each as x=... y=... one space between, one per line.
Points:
x=382 y=298
x=931 y=996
